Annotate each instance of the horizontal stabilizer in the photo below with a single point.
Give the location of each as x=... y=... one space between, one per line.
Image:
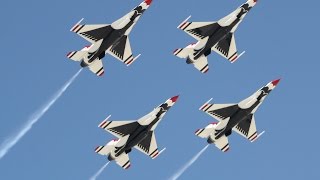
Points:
x=205 y=132
x=103 y=150
x=76 y=55
x=222 y=143
x=123 y=161
x=183 y=52
x=98 y=149
x=97 y=67
x=202 y=64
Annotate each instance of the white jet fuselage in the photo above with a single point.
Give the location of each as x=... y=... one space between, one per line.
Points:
x=246 y=108
x=226 y=25
x=111 y=37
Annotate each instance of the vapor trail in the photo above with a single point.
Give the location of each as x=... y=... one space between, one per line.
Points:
x=188 y=164
x=94 y=177
x=15 y=138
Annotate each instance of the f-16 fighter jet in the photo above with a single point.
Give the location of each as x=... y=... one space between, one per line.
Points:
x=138 y=134
x=237 y=117
x=213 y=36
x=107 y=38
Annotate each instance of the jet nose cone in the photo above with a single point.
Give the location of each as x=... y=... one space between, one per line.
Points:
x=148 y=2
x=174 y=99
x=275 y=82
x=252 y=2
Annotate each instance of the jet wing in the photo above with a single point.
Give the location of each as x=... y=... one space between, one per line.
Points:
x=122 y=51
x=119 y=128
x=202 y=64
x=227 y=48
x=92 y=33
x=123 y=161
x=198 y=30
x=149 y=145
x=219 y=111
x=97 y=67
x=247 y=128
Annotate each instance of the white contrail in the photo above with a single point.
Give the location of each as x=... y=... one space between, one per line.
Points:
x=186 y=166
x=94 y=177
x=14 y=139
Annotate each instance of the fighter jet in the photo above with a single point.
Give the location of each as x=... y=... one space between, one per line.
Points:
x=138 y=134
x=234 y=117
x=107 y=38
x=213 y=36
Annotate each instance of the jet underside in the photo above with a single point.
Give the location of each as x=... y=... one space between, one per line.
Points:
x=239 y=116
x=112 y=37
x=142 y=131
x=217 y=34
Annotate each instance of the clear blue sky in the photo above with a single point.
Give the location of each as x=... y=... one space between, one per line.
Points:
x=280 y=39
